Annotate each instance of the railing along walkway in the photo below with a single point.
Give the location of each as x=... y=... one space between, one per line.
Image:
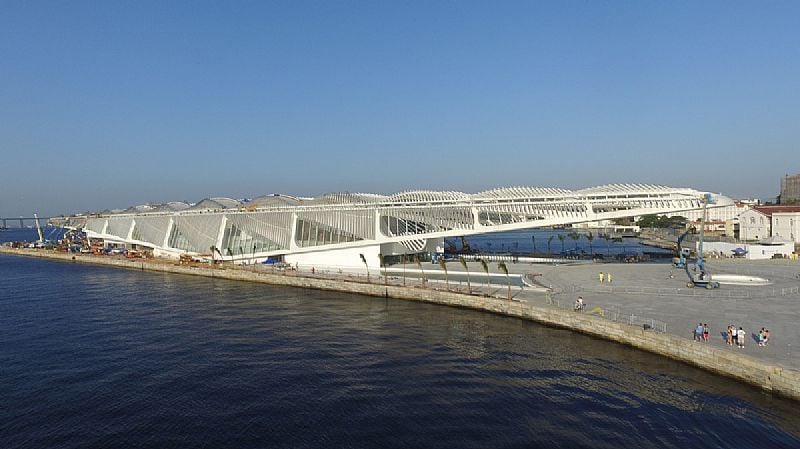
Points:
x=614 y=315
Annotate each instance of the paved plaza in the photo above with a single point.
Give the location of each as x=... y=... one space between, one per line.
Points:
x=656 y=291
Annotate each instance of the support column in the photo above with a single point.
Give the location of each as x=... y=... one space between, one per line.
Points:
x=171 y=223
x=476 y=224
x=221 y=233
x=293 y=233
x=129 y=235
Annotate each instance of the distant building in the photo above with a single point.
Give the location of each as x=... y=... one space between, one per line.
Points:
x=762 y=222
x=787 y=225
x=720 y=219
x=790 y=190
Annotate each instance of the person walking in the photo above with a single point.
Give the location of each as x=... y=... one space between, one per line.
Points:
x=609 y=278
x=602 y=277
x=735 y=335
x=698 y=332
x=740 y=336
x=730 y=335
x=705 y=332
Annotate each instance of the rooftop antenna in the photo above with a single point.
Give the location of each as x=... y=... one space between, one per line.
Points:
x=38 y=227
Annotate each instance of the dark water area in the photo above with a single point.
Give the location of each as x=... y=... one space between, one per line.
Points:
x=101 y=357
x=545 y=242
x=30 y=234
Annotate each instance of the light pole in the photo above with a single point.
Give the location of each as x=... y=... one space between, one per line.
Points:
x=364 y=259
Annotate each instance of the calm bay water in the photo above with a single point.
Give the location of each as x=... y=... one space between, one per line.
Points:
x=102 y=357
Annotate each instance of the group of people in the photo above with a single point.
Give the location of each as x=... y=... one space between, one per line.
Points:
x=739 y=336
x=579 y=305
x=763 y=337
x=736 y=336
x=701 y=332
x=605 y=277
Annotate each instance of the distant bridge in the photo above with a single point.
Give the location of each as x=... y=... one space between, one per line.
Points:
x=23 y=220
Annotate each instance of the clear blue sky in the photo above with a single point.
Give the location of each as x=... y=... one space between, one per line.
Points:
x=110 y=104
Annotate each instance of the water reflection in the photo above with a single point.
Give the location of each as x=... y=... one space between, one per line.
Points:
x=168 y=356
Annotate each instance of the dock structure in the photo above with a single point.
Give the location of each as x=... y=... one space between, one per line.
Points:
x=352 y=229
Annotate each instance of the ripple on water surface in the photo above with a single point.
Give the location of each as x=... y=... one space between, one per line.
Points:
x=95 y=356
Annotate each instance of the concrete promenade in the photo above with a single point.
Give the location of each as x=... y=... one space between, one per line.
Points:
x=773 y=368
x=656 y=291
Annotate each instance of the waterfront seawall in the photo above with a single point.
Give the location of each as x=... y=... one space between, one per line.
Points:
x=767 y=376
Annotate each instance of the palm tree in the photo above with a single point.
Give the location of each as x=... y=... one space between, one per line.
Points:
x=212 y=248
x=403 y=259
x=502 y=267
x=383 y=264
x=561 y=237
x=443 y=264
x=549 y=239
x=419 y=265
x=576 y=237
x=466 y=268
x=486 y=269
x=590 y=237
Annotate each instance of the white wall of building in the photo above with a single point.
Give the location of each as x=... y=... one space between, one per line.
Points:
x=753 y=225
x=348 y=259
x=719 y=214
x=754 y=251
x=786 y=225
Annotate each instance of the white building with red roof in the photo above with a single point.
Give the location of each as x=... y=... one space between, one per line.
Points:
x=762 y=222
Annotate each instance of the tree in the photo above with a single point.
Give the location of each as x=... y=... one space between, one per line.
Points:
x=502 y=267
x=383 y=265
x=561 y=238
x=648 y=221
x=486 y=269
x=403 y=259
x=212 y=248
x=466 y=268
x=549 y=239
x=576 y=237
x=419 y=265
x=661 y=221
x=590 y=237
x=443 y=264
